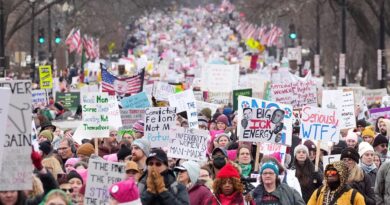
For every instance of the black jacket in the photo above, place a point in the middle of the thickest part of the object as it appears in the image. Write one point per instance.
(365, 188)
(177, 193)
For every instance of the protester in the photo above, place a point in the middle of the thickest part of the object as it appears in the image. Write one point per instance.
(222, 139)
(132, 171)
(76, 182)
(351, 139)
(218, 160)
(377, 160)
(382, 185)
(205, 177)
(138, 129)
(123, 151)
(109, 145)
(380, 146)
(12, 198)
(384, 127)
(368, 135)
(85, 151)
(366, 153)
(45, 135)
(66, 150)
(124, 192)
(335, 189)
(56, 197)
(222, 122)
(244, 160)
(357, 179)
(140, 152)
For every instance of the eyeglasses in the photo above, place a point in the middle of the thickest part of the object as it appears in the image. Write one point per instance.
(267, 173)
(331, 173)
(158, 164)
(68, 190)
(113, 135)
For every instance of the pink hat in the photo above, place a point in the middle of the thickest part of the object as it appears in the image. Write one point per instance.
(232, 154)
(72, 161)
(83, 173)
(277, 156)
(139, 126)
(111, 157)
(214, 133)
(224, 119)
(125, 191)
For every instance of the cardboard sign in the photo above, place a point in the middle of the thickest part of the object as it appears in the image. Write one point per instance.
(45, 77)
(131, 116)
(101, 175)
(16, 166)
(95, 114)
(188, 144)
(162, 90)
(330, 159)
(70, 100)
(243, 92)
(264, 121)
(39, 98)
(343, 101)
(220, 78)
(374, 95)
(320, 124)
(158, 122)
(222, 98)
(185, 101)
(375, 113)
(139, 100)
(114, 114)
(5, 94)
(270, 148)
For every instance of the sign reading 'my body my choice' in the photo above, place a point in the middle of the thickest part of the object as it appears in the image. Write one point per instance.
(95, 108)
(158, 122)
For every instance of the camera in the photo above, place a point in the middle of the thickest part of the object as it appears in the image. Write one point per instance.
(246, 181)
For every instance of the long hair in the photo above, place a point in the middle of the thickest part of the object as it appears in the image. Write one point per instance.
(304, 172)
(218, 183)
(21, 199)
(355, 174)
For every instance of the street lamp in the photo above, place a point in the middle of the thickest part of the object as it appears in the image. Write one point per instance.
(32, 40)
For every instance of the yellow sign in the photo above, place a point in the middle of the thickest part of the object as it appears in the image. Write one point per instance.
(45, 77)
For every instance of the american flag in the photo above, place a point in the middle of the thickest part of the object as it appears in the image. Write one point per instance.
(73, 41)
(121, 86)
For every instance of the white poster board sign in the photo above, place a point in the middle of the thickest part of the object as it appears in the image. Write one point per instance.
(5, 94)
(158, 122)
(114, 114)
(39, 98)
(330, 159)
(343, 101)
(185, 101)
(219, 77)
(95, 114)
(131, 116)
(162, 90)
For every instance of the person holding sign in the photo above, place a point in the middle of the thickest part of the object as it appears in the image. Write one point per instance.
(158, 185)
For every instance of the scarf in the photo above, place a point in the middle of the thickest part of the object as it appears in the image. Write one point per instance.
(246, 169)
(366, 168)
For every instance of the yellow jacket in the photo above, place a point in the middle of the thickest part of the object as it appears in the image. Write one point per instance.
(344, 199)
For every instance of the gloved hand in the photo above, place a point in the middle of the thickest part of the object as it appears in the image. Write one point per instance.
(36, 160)
(159, 182)
(150, 182)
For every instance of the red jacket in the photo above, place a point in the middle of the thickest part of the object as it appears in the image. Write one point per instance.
(199, 194)
(234, 199)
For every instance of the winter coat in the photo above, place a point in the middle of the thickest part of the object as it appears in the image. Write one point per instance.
(307, 190)
(235, 199)
(382, 185)
(365, 188)
(372, 176)
(49, 183)
(290, 179)
(198, 194)
(343, 199)
(176, 194)
(283, 192)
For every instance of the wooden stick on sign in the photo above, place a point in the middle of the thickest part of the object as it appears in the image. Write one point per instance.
(97, 146)
(257, 156)
(318, 155)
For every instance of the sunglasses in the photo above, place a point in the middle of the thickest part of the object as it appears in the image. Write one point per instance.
(68, 190)
(331, 173)
(158, 164)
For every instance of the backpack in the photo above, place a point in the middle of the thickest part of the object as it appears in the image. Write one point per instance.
(352, 199)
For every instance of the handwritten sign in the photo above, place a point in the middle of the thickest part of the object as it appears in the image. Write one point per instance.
(320, 124)
(270, 148)
(101, 175)
(330, 159)
(131, 116)
(5, 94)
(16, 166)
(264, 121)
(219, 77)
(188, 144)
(70, 100)
(45, 77)
(95, 114)
(162, 90)
(158, 122)
(39, 98)
(185, 101)
(243, 92)
(222, 98)
(343, 101)
(139, 100)
(374, 95)
(114, 114)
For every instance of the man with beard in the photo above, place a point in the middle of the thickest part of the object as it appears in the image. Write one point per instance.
(139, 152)
(335, 189)
(384, 125)
(380, 145)
(109, 145)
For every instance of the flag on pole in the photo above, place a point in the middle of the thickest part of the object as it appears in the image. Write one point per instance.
(73, 40)
(121, 86)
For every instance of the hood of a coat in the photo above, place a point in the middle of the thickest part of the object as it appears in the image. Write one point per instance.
(342, 170)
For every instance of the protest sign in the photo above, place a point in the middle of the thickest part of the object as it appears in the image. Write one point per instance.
(343, 101)
(295, 91)
(101, 175)
(330, 159)
(131, 116)
(16, 166)
(39, 98)
(45, 77)
(185, 101)
(256, 81)
(158, 122)
(375, 113)
(320, 124)
(188, 144)
(114, 115)
(243, 92)
(270, 148)
(200, 105)
(162, 90)
(374, 95)
(89, 88)
(5, 94)
(95, 114)
(139, 100)
(70, 100)
(264, 121)
(222, 98)
(219, 77)
(385, 101)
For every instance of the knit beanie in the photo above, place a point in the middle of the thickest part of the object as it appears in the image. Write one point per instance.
(301, 147)
(125, 192)
(365, 147)
(351, 136)
(206, 112)
(350, 153)
(368, 131)
(380, 139)
(270, 165)
(143, 144)
(72, 161)
(111, 157)
(228, 171)
(47, 134)
(139, 126)
(86, 149)
(45, 147)
(310, 145)
(192, 168)
(73, 174)
(224, 119)
(123, 152)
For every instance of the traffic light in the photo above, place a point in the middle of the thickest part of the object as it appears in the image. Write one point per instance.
(293, 34)
(41, 35)
(58, 36)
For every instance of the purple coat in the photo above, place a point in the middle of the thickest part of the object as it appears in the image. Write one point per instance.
(198, 193)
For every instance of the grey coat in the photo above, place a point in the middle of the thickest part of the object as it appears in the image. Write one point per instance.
(283, 192)
(382, 185)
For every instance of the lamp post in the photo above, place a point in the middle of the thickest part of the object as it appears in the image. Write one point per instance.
(32, 39)
(342, 67)
(382, 74)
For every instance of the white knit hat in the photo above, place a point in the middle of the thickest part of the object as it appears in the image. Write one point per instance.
(301, 147)
(364, 147)
(351, 136)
